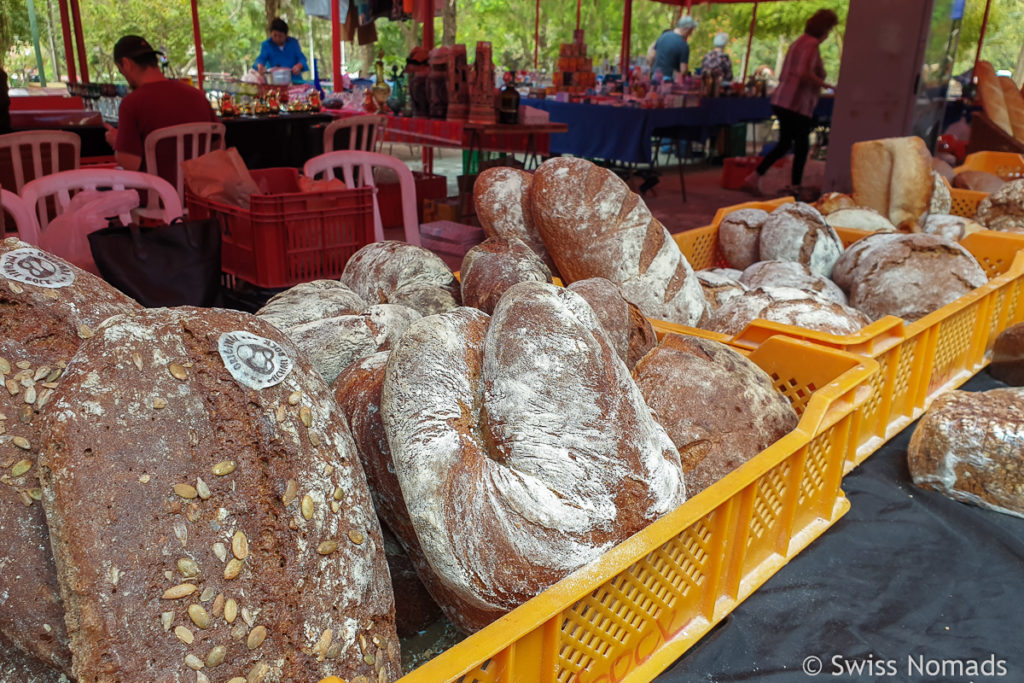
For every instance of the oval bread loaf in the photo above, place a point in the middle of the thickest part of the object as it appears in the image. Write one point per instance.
(501, 196)
(797, 232)
(630, 333)
(398, 273)
(494, 265)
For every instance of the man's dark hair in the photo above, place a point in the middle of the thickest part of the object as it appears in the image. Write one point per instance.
(278, 25)
(149, 61)
(820, 23)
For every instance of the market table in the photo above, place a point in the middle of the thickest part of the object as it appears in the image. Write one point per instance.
(906, 579)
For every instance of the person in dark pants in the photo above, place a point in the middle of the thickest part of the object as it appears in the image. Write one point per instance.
(800, 83)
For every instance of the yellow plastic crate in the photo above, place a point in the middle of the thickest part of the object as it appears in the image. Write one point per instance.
(631, 613)
(1006, 165)
(917, 361)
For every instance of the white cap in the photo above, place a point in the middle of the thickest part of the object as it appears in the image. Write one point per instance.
(721, 39)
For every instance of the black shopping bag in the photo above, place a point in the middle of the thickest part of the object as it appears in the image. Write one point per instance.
(166, 265)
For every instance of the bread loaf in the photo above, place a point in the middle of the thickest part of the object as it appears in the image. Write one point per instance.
(399, 273)
(1013, 100)
(719, 288)
(797, 232)
(789, 306)
(950, 226)
(718, 407)
(493, 266)
(523, 447)
(791, 274)
(49, 307)
(188, 477)
(738, 236)
(1008, 356)
(415, 610)
(894, 177)
(978, 181)
(968, 446)
(501, 196)
(914, 275)
(311, 301)
(1003, 210)
(830, 202)
(855, 256)
(629, 332)
(943, 169)
(861, 218)
(991, 95)
(595, 227)
(942, 199)
(18, 667)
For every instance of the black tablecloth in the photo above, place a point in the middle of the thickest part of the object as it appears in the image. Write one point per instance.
(276, 141)
(906, 579)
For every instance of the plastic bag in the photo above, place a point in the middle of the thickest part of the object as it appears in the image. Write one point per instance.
(321, 185)
(221, 176)
(67, 234)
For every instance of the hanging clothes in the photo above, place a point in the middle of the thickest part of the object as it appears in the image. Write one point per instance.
(322, 8)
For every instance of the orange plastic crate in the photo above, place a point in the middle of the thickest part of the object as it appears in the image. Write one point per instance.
(917, 361)
(1006, 165)
(628, 615)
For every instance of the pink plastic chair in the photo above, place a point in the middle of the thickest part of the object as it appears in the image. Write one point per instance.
(61, 186)
(190, 140)
(24, 222)
(64, 154)
(351, 161)
(364, 132)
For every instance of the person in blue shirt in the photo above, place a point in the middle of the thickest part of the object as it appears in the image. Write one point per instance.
(279, 50)
(672, 52)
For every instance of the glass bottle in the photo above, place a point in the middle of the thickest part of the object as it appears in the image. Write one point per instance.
(508, 101)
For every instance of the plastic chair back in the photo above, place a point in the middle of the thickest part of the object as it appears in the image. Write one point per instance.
(24, 222)
(189, 140)
(60, 187)
(357, 171)
(364, 133)
(47, 151)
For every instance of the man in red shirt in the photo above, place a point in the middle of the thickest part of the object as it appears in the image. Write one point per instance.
(155, 102)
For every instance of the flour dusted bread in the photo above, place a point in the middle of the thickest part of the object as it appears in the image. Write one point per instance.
(791, 274)
(494, 265)
(718, 407)
(950, 226)
(191, 464)
(942, 199)
(398, 273)
(501, 196)
(523, 447)
(1004, 209)
(739, 234)
(311, 301)
(798, 232)
(595, 227)
(970, 447)
(629, 332)
(894, 177)
(858, 255)
(913, 275)
(49, 307)
(1008, 356)
(789, 306)
(719, 287)
(860, 218)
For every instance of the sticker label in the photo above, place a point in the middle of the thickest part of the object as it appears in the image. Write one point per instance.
(256, 362)
(35, 267)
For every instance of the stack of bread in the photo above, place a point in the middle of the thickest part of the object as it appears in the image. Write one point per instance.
(1001, 100)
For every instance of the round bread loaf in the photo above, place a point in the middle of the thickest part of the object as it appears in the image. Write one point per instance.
(1008, 356)
(399, 273)
(719, 287)
(830, 202)
(949, 226)
(914, 275)
(501, 196)
(595, 227)
(731, 273)
(791, 274)
(208, 452)
(797, 232)
(358, 392)
(738, 236)
(860, 218)
(847, 268)
(522, 445)
(1004, 209)
(718, 407)
(968, 447)
(789, 306)
(942, 199)
(494, 265)
(310, 301)
(629, 332)
(49, 308)
(978, 181)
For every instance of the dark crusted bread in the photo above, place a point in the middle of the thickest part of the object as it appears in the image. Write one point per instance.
(501, 196)
(1008, 356)
(719, 408)
(978, 181)
(798, 232)
(41, 328)
(399, 273)
(630, 333)
(18, 667)
(738, 236)
(847, 268)
(207, 510)
(970, 447)
(1003, 209)
(494, 265)
(791, 274)
(310, 301)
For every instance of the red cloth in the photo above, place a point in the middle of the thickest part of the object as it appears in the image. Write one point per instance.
(158, 105)
(794, 93)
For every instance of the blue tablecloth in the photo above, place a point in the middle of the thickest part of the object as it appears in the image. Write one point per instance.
(624, 133)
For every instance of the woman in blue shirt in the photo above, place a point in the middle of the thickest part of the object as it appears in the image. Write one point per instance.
(281, 51)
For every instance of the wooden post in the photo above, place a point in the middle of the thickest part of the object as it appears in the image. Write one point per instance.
(336, 46)
(627, 27)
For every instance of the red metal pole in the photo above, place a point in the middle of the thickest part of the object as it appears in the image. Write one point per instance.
(578, 2)
(627, 21)
(69, 48)
(536, 37)
(83, 63)
(428, 25)
(198, 37)
(750, 42)
(981, 39)
(336, 46)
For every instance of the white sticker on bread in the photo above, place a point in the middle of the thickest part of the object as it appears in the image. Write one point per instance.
(35, 267)
(254, 361)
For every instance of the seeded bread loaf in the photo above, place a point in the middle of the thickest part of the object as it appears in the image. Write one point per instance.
(787, 305)
(522, 446)
(49, 307)
(719, 288)
(791, 274)
(630, 333)
(207, 510)
(718, 407)
(968, 446)
(595, 226)
(738, 236)
(797, 232)
(494, 265)
(399, 273)
(1008, 356)
(501, 196)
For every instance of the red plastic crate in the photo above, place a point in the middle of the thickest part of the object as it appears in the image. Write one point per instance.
(289, 237)
(736, 169)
